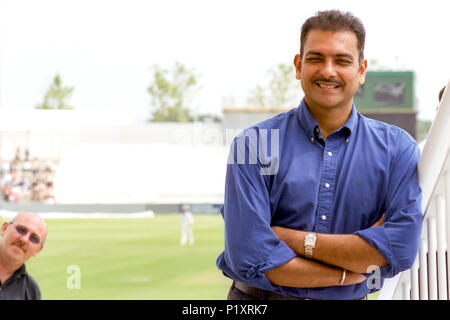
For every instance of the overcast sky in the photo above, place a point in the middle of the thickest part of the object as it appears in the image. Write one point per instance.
(104, 48)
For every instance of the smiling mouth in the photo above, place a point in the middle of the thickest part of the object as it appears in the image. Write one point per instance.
(327, 85)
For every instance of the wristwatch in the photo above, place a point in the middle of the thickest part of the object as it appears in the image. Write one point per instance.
(310, 244)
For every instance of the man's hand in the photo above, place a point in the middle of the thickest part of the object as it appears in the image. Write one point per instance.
(379, 222)
(347, 251)
(305, 273)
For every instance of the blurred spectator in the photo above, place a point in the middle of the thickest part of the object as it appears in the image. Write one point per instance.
(48, 197)
(23, 179)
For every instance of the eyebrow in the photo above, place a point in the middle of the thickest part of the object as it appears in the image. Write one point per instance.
(340, 55)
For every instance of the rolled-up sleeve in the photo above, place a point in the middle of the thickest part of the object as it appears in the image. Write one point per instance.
(397, 240)
(251, 246)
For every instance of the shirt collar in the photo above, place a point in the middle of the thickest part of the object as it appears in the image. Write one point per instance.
(309, 124)
(20, 272)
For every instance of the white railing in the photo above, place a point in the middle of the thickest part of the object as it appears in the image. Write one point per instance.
(428, 279)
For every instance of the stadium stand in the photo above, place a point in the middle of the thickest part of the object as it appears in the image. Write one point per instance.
(141, 173)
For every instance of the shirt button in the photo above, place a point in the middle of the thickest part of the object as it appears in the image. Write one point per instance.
(347, 140)
(324, 217)
(330, 153)
(327, 185)
(312, 139)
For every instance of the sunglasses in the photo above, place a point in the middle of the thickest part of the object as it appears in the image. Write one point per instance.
(23, 231)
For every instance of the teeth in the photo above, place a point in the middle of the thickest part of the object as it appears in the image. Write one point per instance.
(327, 86)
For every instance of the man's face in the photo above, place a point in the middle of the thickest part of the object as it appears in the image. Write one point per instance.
(18, 247)
(329, 69)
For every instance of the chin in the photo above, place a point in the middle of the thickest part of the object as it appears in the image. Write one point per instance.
(327, 104)
(330, 102)
(16, 251)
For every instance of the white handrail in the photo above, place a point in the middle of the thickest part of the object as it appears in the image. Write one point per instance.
(435, 150)
(427, 279)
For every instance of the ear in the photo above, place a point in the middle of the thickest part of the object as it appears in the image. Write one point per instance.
(297, 65)
(362, 72)
(40, 249)
(3, 229)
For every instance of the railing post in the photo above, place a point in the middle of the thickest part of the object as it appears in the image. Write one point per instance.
(423, 264)
(415, 280)
(441, 247)
(406, 286)
(447, 215)
(432, 277)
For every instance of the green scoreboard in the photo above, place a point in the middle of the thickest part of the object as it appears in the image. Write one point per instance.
(389, 96)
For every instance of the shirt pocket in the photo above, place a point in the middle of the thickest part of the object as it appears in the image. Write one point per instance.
(360, 200)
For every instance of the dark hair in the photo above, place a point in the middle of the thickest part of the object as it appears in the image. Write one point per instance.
(441, 93)
(335, 20)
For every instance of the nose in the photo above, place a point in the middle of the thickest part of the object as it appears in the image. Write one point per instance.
(328, 69)
(25, 238)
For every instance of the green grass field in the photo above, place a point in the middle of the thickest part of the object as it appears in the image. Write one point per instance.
(136, 258)
(131, 258)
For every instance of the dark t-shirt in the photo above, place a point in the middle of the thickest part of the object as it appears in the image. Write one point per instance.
(20, 286)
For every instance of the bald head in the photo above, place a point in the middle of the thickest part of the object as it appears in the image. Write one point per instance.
(34, 219)
(22, 238)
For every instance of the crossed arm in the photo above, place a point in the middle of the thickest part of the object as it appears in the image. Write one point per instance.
(332, 253)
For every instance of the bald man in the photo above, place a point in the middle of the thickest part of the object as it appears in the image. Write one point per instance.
(21, 238)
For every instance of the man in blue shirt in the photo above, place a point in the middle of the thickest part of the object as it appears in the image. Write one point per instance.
(318, 198)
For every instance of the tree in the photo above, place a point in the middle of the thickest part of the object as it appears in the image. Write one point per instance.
(208, 117)
(281, 90)
(171, 95)
(57, 95)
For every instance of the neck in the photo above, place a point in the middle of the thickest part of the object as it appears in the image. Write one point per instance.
(330, 119)
(7, 269)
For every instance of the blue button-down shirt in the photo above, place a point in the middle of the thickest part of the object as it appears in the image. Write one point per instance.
(293, 178)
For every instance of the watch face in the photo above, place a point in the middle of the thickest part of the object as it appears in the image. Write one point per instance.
(310, 240)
